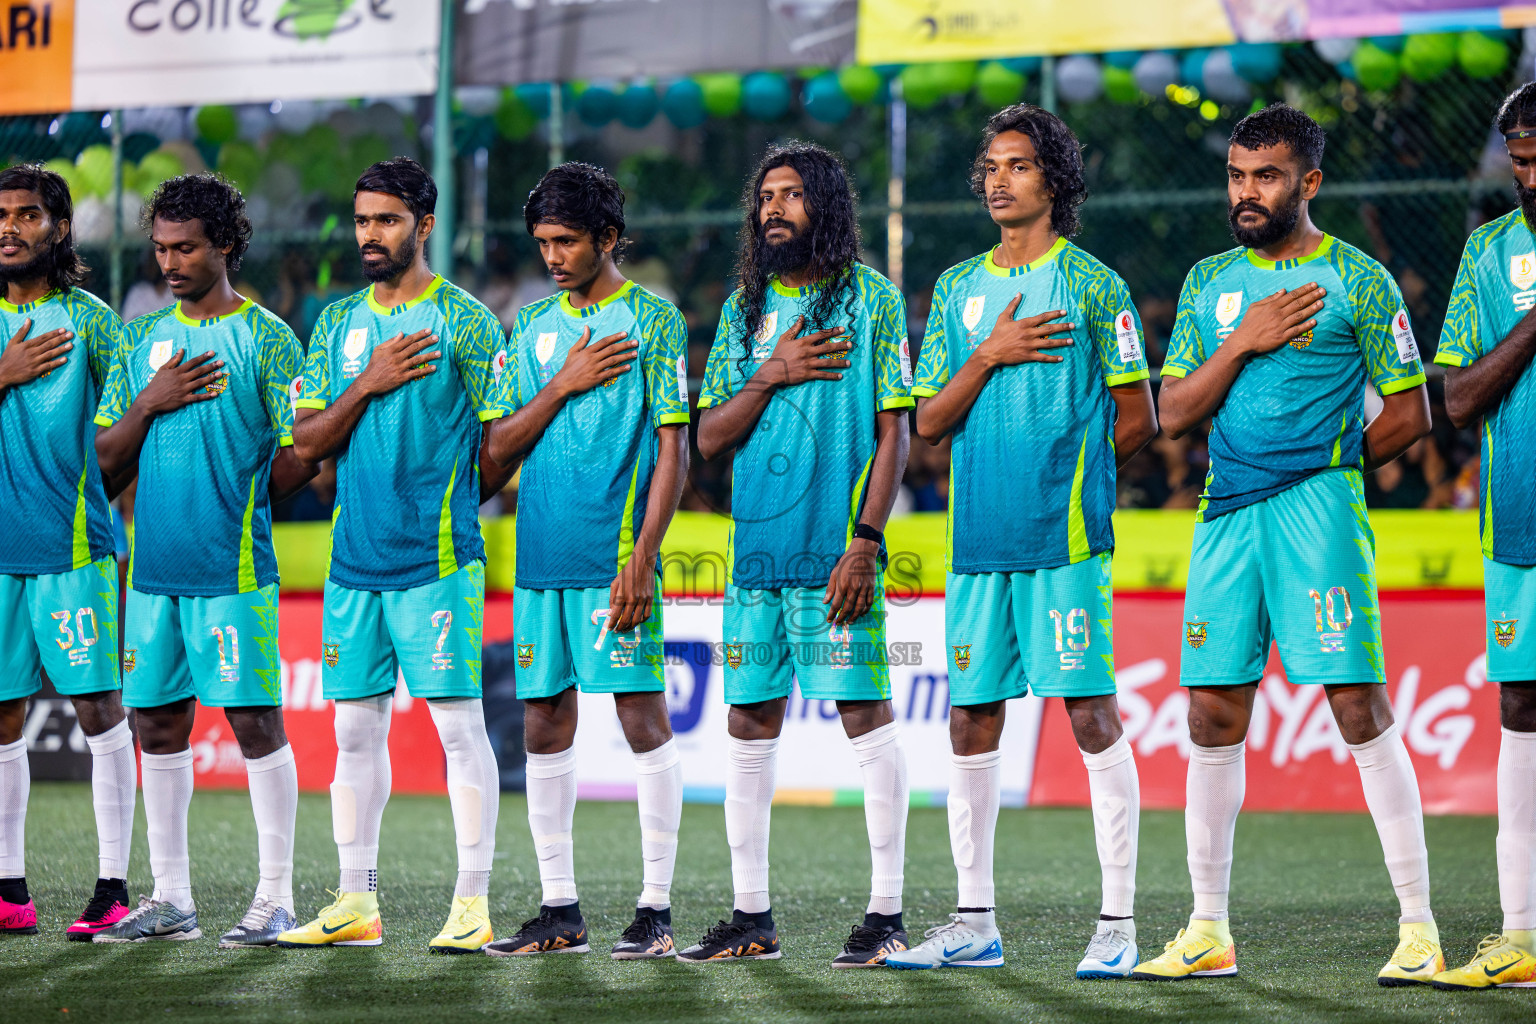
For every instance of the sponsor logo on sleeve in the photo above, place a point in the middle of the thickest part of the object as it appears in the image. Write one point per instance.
(498, 363)
(1402, 334)
(295, 391)
(682, 379)
(906, 362)
(1125, 337)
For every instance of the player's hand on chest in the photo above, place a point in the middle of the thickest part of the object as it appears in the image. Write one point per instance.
(179, 372)
(591, 365)
(388, 355)
(1011, 338)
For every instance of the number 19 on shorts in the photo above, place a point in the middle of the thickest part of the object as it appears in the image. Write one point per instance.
(1071, 637)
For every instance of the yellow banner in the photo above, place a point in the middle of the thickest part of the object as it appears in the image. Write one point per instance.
(911, 31)
(37, 48)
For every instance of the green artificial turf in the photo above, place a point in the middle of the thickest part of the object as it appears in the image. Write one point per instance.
(1313, 914)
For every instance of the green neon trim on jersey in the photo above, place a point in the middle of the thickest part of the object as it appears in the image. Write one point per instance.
(1338, 442)
(1392, 387)
(592, 309)
(924, 391)
(373, 304)
(1205, 500)
(999, 271)
(627, 526)
(209, 321)
(786, 290)
(949, 522)
(1318, 253)
(1077, 525)
(248, 544)
(1487, 528)
(1131, 377)
(898, 402)
(80, 556)
(310, 403)
(27, 307)
(447, 562)
(858, 498)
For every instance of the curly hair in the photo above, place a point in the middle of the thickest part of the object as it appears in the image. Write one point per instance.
(580, 196)
(830, 203)
(403, 178)
(1058, 152)
(1518, 110)
(65, 268)
(209, 198)
(1278, 124)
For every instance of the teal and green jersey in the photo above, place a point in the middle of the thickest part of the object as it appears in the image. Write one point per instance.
(1300, 409)
(799, 479)
(53, 508)
(203, 521)
(408, 480)
(584, 486)
(1032, 465)
(1495, 288)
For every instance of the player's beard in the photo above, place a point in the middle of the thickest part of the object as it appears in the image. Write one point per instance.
(394, 264)
(41, 264)
(1527, 199)
(786, 257)
(1279, 222)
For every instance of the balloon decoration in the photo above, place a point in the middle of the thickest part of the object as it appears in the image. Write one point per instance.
(765, 95)
(1155, 71)
(999, 85)
(722, 94)
(1024, 65)
(1122, 59)
(920, 88)
(860, 84)
(1427, 57)
(1334, 51)
(683, 104)
(217, 124)
(1120, 84)
(597, 104)
(825, 100)
(1079, 79)
(1192, 67)
(1481, 56)
(955, 77)
(1220, 80)
(1256, 62)
(638, 105)
(514, 118)
(534, 96)
(1376, 68)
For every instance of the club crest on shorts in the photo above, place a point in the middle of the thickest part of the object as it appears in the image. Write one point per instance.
(733, 655)
(130, 659)
(973, 310)
(962, 656)
(1504, 631)
(160, 354)
(524, 655)
(331, 653)
(1194, 634)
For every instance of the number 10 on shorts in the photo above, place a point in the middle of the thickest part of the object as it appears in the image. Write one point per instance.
(1332, 605)
(1071, 637)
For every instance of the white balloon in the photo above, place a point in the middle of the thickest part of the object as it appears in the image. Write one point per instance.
(478, 100)
(254, 120)
(1220, 81)
(1155, 72)
(1079, 79)
(297, 115)
(1335, 51)
(165, 123)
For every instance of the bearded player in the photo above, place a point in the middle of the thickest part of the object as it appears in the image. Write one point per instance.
(397, 383)
(198, 408)
(1486, 349)
(1033, 361)
(58, 572)
(807, 383)
(1274, 341)
(604, 455)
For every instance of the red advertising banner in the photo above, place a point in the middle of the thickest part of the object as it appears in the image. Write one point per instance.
(416, 755)
(1436, 675)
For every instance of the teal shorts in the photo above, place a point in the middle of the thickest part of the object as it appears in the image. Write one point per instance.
(1298, 569)
(63, 623)
(563, 641)
(1046, 632)
(775, 637)
(1509, 592)
(221, 650)
(429, 634)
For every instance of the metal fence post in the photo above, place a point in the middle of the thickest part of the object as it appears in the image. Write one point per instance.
(443, 170)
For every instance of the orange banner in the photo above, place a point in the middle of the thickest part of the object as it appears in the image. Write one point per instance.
(37, 48)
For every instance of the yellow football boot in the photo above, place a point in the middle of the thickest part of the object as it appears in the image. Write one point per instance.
(353, 920)
(1500, 963)
(468, 927)
(1417, 958)
(1203, 950)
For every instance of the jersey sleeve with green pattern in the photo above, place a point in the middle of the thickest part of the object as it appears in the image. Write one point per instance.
(933, 355)
(1114, 325)
(1381, 323)
(509, 389)
(1187, 347)
(477, 339)
(665, 360)
(722, 377)
(893, 359)
(315, 384)
(282, 360)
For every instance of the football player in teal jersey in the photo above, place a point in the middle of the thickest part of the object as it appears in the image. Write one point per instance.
(808, 385)
(1275, 341)
(604, 453)
(1486, 349)
(198, 408)
(58, 572)
(1033, 360)
(397, 383)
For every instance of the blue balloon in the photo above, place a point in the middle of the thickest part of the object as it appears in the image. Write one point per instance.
(825, 100)
(889, 71)
(1192, 67)
(1023, 65)
(765, 95)
(535, 96)
(597, 105)
(1392, 44)
(638, 105)
(683, 103)
(1256, 62)
(1124, 59)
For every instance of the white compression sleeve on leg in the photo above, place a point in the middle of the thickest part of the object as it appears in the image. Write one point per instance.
(474, 789)
(975, 794)
(1392, 795)
(114, 788)
(15, 786)
(551, 781)
(167, 799)
(1213, 795)
(659, 795)
(1115, 793)
(274, 782)
(360, 789)
(749, 782)
(1517, 829)
(886, 799)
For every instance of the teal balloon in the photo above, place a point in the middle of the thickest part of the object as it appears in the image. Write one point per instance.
(638, 106)
(860, 84)
(1125, 59)
(1346, 69)
(1256, 62)
(920, 88)
(765, 95)
(1192, 67)
(824, 99)
(1023, 65)
(722, 94)
(683, 104)
(997, 85)
(888, 71)
(535, 96)
(597, 105)
(1390, 44)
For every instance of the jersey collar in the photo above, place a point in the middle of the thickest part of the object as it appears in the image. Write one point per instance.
(373, 304)
(183, 318)
(594, 308)
(1050, 254)
(1318, 253)
(786, 290)
(27, 307)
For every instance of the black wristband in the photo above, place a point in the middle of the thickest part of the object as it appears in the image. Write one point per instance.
(863, 531)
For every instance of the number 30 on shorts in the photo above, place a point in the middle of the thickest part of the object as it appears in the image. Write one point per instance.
(1334, 606)
(1071, 637)
(84, 631)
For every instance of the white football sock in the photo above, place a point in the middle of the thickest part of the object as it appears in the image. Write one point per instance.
(360, 789)
(15, 786)
(1517, 829)
(1115, 793)
(1392, 796)
(274, 783)
(749, 782)
(1213, 795)
(114, 788)
(551, 782)
(474, 789)
(167, 798)
(659, 794)
(975, 793)
(886, 799)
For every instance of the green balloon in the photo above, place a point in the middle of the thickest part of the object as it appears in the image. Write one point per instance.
(240, 163)
(93, 171)
(1427, 57)
(860, 84)
(955, 76)
(513, 118)
(1120, 84)
(1481, 56)
(64, 169)
(919, 86)
(217, 124)
(1376, 67)
(722, 94)
(999, 85)
(155, 168)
